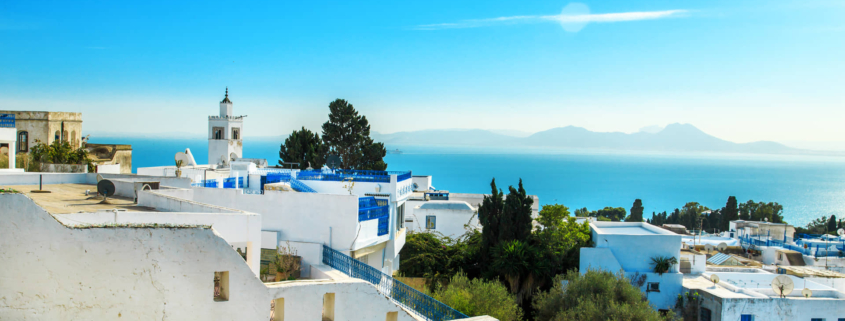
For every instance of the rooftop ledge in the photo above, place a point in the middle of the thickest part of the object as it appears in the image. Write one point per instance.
(628, 228)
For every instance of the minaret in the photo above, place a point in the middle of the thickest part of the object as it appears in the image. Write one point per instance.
(225, 140)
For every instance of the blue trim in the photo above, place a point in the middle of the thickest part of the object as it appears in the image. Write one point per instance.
(7, 120)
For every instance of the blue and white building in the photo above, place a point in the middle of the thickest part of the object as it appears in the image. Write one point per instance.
(629, 247)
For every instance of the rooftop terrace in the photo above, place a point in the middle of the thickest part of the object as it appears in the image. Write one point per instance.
(71, 198)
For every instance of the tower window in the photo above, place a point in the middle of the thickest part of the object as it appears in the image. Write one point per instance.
(236, 133)
(217, 133)
(23, 141)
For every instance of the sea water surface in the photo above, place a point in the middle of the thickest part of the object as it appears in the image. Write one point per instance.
(807, 186)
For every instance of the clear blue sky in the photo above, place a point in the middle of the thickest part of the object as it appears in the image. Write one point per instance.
(740, 70)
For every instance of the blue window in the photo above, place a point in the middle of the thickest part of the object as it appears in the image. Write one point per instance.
(746, 317)
(431, 222)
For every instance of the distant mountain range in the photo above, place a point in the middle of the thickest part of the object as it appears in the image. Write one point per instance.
(674, 137)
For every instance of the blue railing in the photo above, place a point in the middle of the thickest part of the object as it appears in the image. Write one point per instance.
(353, 175)
(275, 177)
(206, 183)
(301, 187)
(7, 120)
(400, 293)
(401, 176)
(383, 223)
(370, 208)
(229, 182)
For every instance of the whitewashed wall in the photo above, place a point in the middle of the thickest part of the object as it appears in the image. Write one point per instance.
(52, 272)
(354, 300)
(233, 227)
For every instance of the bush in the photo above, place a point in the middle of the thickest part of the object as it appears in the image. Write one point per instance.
(595, 295)
(478, 297)
(59, 152)
(437, 257)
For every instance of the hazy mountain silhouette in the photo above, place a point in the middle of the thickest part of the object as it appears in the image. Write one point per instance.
(674, 137)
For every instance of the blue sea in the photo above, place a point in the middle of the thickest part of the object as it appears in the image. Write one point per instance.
(807, 186)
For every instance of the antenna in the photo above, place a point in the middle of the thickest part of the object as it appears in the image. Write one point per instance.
(715, 279)
(782, 285)
(708, 247)
(106, 188)
(841, 232)
(333, 161)
(807, 293)
(722, 246)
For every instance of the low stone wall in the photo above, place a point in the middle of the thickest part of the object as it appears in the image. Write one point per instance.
(64, 168)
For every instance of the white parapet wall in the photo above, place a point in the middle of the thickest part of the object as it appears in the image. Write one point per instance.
(53, 272)
(351, 299)
(238, 229)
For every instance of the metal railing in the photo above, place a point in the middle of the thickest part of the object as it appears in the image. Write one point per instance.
(7, 120)
(301, 187)
(275, 177)
(229, 182)
(400, 293)
(401, 176)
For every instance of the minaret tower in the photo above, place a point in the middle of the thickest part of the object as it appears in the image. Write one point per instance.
(225, 140)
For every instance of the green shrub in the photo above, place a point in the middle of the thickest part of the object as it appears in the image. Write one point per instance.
(478, 297)
(595, 295)
(59, 152)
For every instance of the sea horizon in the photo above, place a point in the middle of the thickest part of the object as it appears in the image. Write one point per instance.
(807, 186)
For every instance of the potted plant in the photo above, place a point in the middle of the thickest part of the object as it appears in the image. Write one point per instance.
(663, 264)
(179, 168)
(287, 263)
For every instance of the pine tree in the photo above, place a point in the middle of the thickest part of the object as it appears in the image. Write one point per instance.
(303, 147)
(729, 213)
(347, 135)
(636, 212)
(831, 224)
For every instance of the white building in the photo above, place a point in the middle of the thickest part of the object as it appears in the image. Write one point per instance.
(8, 139)
(449, 218)
(630, 247)
(172, 257)
(225, 132)
(749, 295)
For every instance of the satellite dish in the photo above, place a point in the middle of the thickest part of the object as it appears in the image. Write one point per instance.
(807, 292)
(333, 161)
(99, 178)
(841, 232)
(715, 279)
(180, 156)
(782, 285)
(106, 188)
(708, 247)
(722, 246)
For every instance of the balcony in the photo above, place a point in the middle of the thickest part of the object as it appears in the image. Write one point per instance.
(370, 208)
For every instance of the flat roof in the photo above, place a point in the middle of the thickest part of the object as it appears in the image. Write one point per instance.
(628, 228)
(70, 198)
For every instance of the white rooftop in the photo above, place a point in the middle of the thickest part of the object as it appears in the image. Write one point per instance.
(628, 228)
(446, 205)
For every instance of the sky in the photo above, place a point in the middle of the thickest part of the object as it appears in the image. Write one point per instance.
(739, 70)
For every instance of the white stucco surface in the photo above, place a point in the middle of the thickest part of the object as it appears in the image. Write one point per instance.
(52, 272)
(630, 247)
(235, 228)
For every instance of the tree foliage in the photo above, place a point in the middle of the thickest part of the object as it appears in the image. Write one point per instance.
(438, 257)
(615, 214)
(304, 147)
(347, 135)
(694, 216)
(60, 152)
(594, 295)
(636, 212)
(479, 297)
